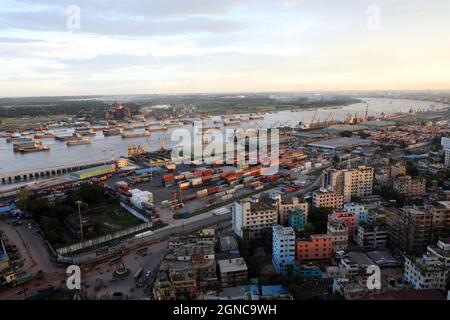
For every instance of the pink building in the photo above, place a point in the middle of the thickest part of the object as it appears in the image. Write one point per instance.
(348, 218)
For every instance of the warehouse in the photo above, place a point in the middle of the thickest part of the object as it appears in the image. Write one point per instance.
(339, 143)
(93, 172)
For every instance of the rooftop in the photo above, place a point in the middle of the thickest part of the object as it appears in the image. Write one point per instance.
(339, 143)
(232, 265)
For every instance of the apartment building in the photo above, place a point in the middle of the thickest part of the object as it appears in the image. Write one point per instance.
(297, 219)
(347, 183)
(425, 273)
(371, 235)
(413, 228)
(327, 199)
(346, 217)
(253, 216)
(283, 248)
(442, 251)
(318, 248)
(409, 187)
(233, 272)
(445, 142)
(339, 233)
(360, 211)
(286, 206)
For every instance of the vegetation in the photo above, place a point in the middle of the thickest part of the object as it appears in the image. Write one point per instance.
(105, 215)
(318, 219)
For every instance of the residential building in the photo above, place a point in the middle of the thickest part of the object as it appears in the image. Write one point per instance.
(327, 199)
(409, 187)
(297, 219)
(318, 248)
(307, 271)
(360, 211)
(347, 217)
(339, 233)
(283, 248)
(413, 228)
(425, 273)
(445, 142)
(233, 272)
(253, 216)
(442, 251)
(285, 207)
(371, 235)
(350, 183)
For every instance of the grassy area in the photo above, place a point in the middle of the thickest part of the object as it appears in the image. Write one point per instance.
(110, 218)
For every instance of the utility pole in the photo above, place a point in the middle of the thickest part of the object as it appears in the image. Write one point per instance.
(81, 223)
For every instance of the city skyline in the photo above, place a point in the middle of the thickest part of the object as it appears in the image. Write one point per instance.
(222, 46)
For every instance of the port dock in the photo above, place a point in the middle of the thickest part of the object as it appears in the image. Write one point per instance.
(34, 174)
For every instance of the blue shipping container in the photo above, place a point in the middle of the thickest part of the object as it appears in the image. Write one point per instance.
(148, 170)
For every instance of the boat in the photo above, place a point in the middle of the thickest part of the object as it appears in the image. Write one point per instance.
(78, 143)
(113, 132)
(156, 129)
(136, 135)
(173, 124)
(231, 123)
(85, 131)
(33, 146)
(73, 137)
(44, 136)
(255, 116)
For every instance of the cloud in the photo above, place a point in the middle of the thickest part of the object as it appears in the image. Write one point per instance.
(56, 20)
(18, 40)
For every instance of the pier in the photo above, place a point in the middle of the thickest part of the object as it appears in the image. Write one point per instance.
(35, 174)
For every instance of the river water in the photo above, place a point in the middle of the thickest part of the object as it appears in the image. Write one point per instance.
(106, 148)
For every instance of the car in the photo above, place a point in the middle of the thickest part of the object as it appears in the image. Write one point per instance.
(148, 274)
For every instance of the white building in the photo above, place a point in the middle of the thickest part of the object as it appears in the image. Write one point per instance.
(285, 207)
(426, 272)
(339, 232)
(445, 143)
(283, 248)
(253, 216)
(347, 183)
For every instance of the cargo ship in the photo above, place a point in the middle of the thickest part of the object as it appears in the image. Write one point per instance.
(156, 129)
(44, 136)
(85, 131)
(73, 137)
(33, 146)
(78, 143)
(113, 132)
(136, 135)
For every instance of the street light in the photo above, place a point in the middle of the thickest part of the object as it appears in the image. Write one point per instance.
(81, 223)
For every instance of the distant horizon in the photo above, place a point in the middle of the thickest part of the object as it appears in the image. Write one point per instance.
(348, 92)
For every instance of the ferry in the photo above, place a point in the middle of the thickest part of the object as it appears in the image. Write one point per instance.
(34, 146)
(73, 137)
(85, 131)
(44, 136)
(78, 143)
(136, 135)
(113, 132)
(156, 129)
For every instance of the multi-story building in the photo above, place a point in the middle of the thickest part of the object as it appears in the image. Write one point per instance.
(283, 248)
(371, 235)
(285, 207)
(425, 273)
(409, 187)
(297, 219)
(347, 217)
(360, 211)
(253, 216)
(442, 251)
(318, 248)
(412, 228)
(327, 199)
(445, 142)
(339, 232)
(347, 183)
(233, 272)
(307, 271)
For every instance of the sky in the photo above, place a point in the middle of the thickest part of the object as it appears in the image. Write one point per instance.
(100, 47)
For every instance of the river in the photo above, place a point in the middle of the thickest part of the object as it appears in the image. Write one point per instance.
(106, 148)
